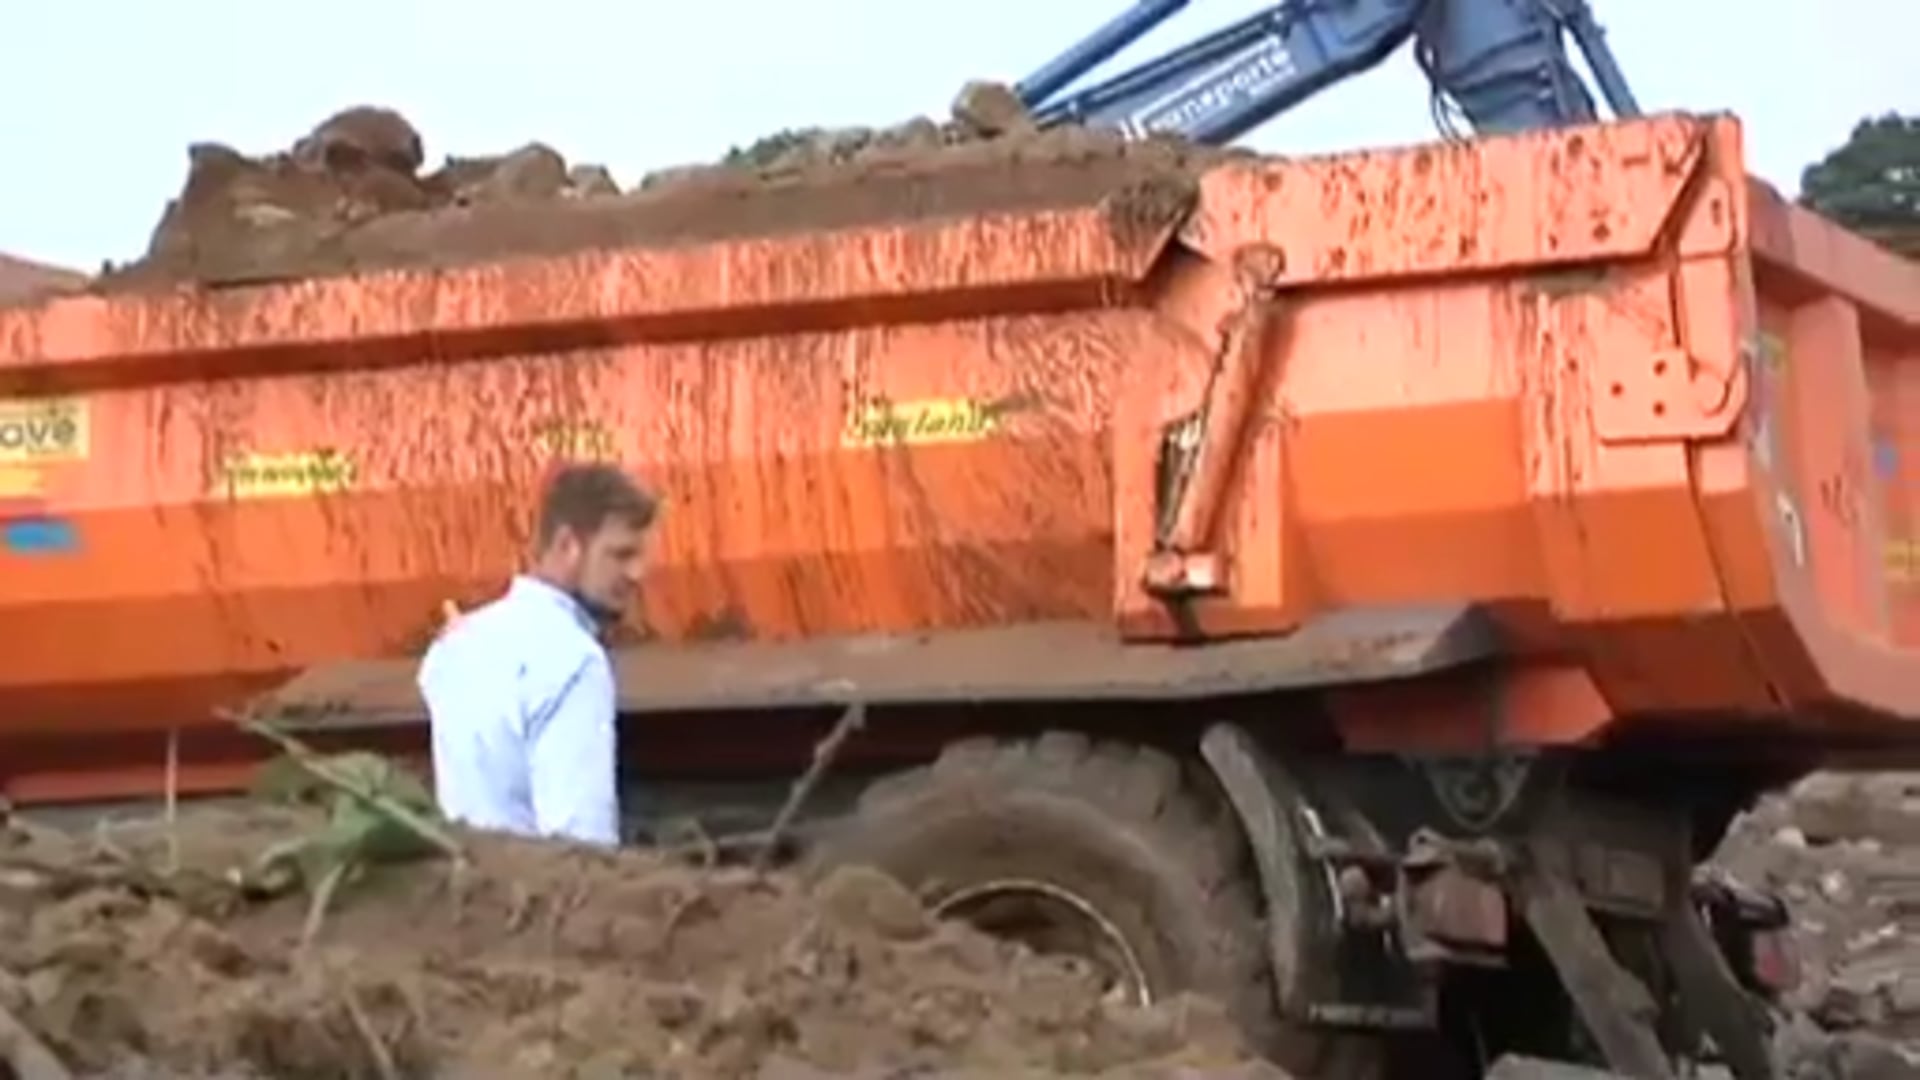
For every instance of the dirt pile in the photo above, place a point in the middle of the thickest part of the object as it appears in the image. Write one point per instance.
(132, 950)
(358, 165)
(350, 196)
(982, 112)
(23, 279)
(1844, 850)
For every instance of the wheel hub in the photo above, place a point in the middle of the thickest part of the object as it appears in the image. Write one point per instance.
(1055, 921)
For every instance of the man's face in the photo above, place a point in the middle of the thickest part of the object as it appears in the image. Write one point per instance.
(605, 566)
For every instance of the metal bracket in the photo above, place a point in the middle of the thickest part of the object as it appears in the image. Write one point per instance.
(1697, 387)
(1451, 905)
(1199, 452)
(1666, 396)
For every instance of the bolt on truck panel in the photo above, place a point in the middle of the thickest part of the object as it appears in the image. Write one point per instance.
(1628, 407)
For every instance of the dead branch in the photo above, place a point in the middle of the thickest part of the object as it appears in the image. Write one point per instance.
(376, 1047)
(173, 800)
(824, 753)
(317, 906)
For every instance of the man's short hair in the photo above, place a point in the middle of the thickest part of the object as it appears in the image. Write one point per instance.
(583, 497)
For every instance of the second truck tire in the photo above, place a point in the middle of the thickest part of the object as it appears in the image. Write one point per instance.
(1118, 839)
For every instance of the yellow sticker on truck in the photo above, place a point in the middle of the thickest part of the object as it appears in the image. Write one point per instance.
(928, 420)
(44, 430)
(1903, 562)
(576, 440)
(301, 474)
(19, 483)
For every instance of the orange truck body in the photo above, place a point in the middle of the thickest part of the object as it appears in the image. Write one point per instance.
(1651, 420)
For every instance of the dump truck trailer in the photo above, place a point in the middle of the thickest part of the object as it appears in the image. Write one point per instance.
(1360, 588)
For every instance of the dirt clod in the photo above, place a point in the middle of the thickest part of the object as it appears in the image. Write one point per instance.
(543, 960)
(990, 108)
(362, 137)
(535, 172)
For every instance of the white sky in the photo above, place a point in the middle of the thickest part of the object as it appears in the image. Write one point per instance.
(99, 98)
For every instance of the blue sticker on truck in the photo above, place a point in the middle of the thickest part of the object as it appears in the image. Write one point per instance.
(39, 536)
(1886, 458)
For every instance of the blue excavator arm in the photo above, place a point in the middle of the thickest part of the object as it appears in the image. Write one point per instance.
(1502, 63)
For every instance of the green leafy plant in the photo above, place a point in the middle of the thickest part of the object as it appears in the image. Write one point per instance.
(376, 811)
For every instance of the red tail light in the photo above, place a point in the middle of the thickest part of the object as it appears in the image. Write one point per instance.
(1774, 959)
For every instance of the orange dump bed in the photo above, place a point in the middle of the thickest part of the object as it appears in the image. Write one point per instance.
(1659, 425)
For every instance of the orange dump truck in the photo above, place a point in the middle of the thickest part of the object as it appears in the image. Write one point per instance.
(1358, 587)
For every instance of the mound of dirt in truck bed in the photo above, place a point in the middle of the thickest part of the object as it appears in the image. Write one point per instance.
(126, 950)
(350, 195)
(1844, 850)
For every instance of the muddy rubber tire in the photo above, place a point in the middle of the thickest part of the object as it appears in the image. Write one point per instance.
(1154, 850)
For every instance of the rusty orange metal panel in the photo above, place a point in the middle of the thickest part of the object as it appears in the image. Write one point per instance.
(991, 263)
(1558, 376)
(1537, 372)
(1894, 389)
(255, 481)
(1837, 367)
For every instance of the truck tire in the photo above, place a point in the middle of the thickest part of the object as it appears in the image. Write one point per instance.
(1115, 838)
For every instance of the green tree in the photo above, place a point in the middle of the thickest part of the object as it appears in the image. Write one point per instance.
(1871, 184)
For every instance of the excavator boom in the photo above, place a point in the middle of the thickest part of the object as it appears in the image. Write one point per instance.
(1504, 65)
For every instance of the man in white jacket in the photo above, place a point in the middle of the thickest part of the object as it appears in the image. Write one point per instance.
(521, 692)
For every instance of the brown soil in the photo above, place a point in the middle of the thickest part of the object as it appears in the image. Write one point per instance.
(537, 960)
(555, 961)
(347, 196)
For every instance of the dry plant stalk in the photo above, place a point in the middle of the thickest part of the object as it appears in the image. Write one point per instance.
(824, 753)
(173, 800)
(376, 1046)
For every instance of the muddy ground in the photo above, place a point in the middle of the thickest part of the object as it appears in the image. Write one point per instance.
(536, 960)
(128, 947)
